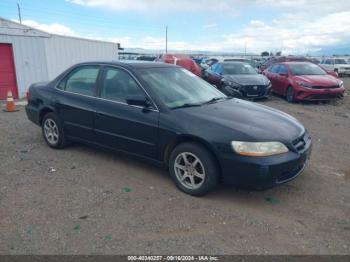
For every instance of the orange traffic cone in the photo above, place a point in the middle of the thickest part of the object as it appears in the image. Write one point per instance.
(10, 103)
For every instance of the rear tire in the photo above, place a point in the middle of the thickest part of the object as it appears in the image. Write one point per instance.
(290, 94)
(53, 132)
(193, 169)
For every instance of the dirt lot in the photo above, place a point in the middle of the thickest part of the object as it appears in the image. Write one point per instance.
(83, 200)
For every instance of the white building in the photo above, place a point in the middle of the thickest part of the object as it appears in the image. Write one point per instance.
(28, 55)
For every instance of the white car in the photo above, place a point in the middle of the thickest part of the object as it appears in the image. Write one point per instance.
(339, 65)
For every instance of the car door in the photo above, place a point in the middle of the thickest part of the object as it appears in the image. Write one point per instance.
(119, 125)
(272, 75)
(281, 80)
(328, 64)
(216, 74)
(210, 74)
(75, 101)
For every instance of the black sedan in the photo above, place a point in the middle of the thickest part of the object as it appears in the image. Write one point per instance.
(167, 115)
(238, 79)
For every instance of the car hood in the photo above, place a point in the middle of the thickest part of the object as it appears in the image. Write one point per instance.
(248, 79)
(342, 65)
(246, 121)
(318, 80)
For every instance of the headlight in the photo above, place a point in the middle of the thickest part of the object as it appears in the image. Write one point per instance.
(258, 148)
(230, 83)
(302, 84)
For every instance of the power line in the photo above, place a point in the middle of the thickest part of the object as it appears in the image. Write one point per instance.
(166, 39)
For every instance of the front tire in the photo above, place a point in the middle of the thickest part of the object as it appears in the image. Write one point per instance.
(290, 94)
(53, 132)
(193, 169)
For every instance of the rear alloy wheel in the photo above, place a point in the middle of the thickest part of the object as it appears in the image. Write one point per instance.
(193, 169)
(290, 94)
(52, 131)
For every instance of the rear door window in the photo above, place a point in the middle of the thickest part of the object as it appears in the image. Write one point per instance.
(81, 81)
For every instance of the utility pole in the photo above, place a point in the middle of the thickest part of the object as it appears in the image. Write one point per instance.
(19, 13)
(245, 48)
(166, 39)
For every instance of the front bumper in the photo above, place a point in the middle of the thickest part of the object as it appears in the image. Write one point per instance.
(263, 172)
(319, 94)
(254, 91)
(344, 71)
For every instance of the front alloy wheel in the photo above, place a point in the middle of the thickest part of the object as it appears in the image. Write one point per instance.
(189, 170)
(193, 169)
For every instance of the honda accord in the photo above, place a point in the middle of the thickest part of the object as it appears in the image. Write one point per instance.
(171, 117)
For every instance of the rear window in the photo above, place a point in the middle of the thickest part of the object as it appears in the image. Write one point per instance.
(340, 61)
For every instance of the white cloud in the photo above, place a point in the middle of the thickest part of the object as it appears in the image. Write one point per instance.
(257, 23)
(162, 5)
(210, 26)
(54, 28)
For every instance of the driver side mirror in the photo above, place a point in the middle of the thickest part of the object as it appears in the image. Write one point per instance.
(138, 100)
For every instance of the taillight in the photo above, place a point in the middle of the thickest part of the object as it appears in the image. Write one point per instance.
(27, 95)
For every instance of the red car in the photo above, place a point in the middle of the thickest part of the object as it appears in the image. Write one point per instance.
(303, 81)
(279, 59)
(181, 60)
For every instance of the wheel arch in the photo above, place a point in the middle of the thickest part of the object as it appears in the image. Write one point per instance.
(43, 111)
(186, 139)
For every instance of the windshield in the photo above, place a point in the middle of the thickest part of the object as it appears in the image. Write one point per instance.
(177, 87)
(306, 69)
(238, 69)
(340, 61)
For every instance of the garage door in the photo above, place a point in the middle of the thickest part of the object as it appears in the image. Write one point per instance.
(7, 71)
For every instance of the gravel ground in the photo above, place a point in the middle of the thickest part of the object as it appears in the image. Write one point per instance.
(83, 200)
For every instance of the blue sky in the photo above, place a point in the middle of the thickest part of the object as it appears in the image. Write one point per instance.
(297, 26)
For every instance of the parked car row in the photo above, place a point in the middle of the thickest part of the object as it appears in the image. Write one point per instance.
(296, 78)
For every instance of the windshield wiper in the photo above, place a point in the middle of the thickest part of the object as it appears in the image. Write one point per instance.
(186, 105)
(215, 99)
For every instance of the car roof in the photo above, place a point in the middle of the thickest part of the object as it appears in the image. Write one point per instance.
(130, 64)
(295, 62)
(233, 62)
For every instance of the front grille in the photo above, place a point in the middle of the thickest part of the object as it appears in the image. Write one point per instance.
(323, 96)
(324, 87)
(250, 90)
(300, 143)
(288, 175)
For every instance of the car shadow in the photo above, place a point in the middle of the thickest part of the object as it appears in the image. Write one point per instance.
(280, 98)
(143, 169)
